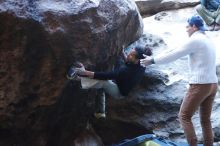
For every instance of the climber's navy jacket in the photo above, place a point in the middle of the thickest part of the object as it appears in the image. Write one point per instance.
(126, 77)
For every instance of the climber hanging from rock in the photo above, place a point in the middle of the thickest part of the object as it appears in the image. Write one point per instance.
(117, 83)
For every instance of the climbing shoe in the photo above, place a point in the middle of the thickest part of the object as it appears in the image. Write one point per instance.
(100, 115)
(71, 74)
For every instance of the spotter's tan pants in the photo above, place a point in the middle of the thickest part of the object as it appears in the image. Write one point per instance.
(198, 96)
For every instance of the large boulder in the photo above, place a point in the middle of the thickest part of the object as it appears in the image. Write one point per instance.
(39, 40)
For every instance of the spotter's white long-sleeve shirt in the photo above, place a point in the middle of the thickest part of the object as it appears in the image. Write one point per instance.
(202, 58)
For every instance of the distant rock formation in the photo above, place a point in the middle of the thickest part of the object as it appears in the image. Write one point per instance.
(149, 7)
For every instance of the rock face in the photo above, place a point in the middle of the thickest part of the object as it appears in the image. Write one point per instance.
(149, 7)
(39, 40)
